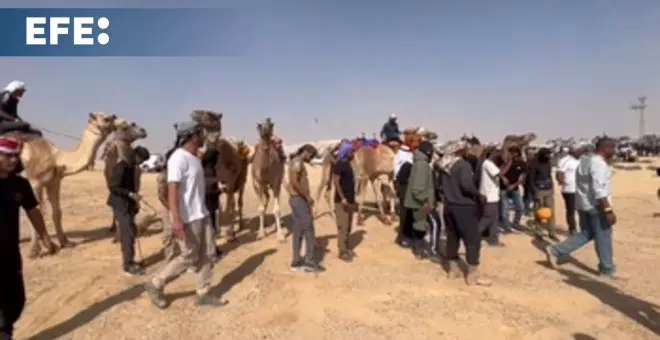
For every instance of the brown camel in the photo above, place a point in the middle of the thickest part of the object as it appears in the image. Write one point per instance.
(232, 169)
(119, 146)
(267, 174)
(383, 176)
(373, 165)
(232, 166)
(46, 166)
(520, 141)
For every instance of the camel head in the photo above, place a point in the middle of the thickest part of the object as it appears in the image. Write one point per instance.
(528, 138)
(209, 120)
(428, 135)
(101, 123)
(265, 129)
(129, 132)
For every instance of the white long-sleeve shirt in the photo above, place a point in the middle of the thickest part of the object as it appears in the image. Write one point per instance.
(403, 156)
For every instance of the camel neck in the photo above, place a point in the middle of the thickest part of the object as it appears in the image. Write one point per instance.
(75, 161)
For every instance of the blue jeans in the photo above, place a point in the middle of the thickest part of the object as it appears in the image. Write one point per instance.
(593, 226)
(514, 196)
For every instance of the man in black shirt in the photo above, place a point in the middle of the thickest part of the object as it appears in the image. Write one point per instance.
(510, 184)
(209, 162)
(123, 199)
(344, 182)
(15, 192)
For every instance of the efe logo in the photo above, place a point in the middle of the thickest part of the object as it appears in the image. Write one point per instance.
(35, 30)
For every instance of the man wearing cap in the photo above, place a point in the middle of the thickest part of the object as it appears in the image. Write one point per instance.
(566, 170)
(191, 224)
(15, 192)
(390, 130)
(9, 119)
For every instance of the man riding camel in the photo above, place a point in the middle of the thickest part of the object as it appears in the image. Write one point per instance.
(390, 131)
(9, 119)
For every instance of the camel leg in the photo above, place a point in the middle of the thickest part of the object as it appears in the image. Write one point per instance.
(262, 193)
(35, 247)
(328, 199)
(229, 213)
(278, 217)
(241, 223)
(360, 195)
(376, 184)
(53, 193)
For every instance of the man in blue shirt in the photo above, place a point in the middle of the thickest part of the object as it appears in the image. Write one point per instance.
(593, 196)
(390, 130)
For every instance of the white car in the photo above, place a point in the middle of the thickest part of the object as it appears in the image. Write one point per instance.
(155, 163)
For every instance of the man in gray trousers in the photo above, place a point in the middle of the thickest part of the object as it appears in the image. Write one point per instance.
(301, 203)
(191, 225)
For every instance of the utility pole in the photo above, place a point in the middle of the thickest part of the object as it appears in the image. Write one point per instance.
(640, 108)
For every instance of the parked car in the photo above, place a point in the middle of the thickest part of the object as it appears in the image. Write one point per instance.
(155, 163)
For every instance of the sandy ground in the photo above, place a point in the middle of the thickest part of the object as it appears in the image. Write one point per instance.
(384, 294)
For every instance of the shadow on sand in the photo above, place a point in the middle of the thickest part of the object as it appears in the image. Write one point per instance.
(232, 278)
(88, 314)
(85, 316)
(642, 312)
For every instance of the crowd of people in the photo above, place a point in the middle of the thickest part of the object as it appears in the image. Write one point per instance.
(474, 194)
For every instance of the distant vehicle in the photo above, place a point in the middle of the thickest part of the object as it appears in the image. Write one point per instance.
(155, 163)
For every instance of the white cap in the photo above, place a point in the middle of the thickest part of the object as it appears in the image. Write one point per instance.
(15, 85)
(392, 115)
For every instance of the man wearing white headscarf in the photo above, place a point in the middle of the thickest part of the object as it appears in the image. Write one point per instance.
(9, 118)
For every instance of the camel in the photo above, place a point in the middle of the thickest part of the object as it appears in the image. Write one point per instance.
(119, 146)
(520, 141)
(46, 166)
(268, 174)
(383, 177)
(232, 171)
(232, 166)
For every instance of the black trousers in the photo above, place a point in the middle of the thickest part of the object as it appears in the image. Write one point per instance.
(127, 232)
(12, 302)
(405, 217)
(212, 206)
(569, 202)
(462, 224)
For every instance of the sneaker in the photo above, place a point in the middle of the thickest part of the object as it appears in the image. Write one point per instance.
(454, 270)
(313, 268)
(496, 244)
(156, 295)
(210, 301)
(550, 256)
(474, 278)
(133, 269)
(345, 256)
(614, 277)
(218, 253)
(297, 266)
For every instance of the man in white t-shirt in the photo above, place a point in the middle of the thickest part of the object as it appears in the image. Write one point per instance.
(566, 169)
(191, 225)
(489, 189)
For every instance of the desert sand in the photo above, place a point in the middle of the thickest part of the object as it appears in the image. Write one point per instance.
(384, 294)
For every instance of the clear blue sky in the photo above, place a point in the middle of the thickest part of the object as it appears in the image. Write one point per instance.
(559, 68)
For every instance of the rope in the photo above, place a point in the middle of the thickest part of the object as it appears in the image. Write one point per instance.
(57, 133)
